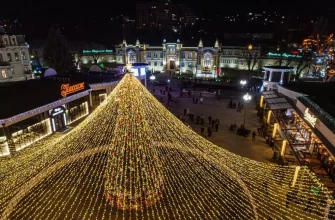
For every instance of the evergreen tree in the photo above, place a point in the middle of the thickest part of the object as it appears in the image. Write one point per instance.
(56, 51)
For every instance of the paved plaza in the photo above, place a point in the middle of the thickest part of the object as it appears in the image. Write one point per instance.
(244, 146)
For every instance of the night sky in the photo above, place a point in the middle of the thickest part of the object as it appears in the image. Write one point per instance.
(95, 17)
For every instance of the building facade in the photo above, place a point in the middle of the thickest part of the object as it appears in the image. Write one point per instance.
(173, 57)
(14, 57)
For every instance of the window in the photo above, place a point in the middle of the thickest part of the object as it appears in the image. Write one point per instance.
(131, 56)
(235, 61)
(155, 55)
(13, 41)
(12, 71)
(4, 74)
(24, 55)
(155, 63)
(236, 52)
(6, 41)
(224, 52)
(149, 63)
(230, 52)
(208, 60)
(182, 55)
(189, 64)
(9, 57)
(149, 54)
(190, 56)
(161, 63)
(161, 56)
(1, 58)
(16, 54)
(182, 64)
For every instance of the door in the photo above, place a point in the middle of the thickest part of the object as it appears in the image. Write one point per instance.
(172, 65)
(59, 122)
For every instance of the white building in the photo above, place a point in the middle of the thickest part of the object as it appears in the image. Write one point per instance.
(14, 57)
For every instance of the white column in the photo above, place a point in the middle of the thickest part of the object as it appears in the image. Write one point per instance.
(289, 76)
(270, 77)
(282, 77)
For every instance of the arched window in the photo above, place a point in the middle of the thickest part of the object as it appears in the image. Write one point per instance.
(208, 60)
(131, 56)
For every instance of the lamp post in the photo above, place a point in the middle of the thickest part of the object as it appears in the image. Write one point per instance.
(243, 83)
(246, 99)
(152, 78)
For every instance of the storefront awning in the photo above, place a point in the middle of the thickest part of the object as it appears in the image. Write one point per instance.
(278, 103)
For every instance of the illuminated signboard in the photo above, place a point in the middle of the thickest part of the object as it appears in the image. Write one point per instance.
(309, 117)
(69, 89)
(283, 55)
(97, 51)
(57, 111)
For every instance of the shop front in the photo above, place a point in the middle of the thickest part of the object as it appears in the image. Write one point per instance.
(58, 118)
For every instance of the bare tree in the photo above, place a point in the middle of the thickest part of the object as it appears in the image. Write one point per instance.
(304, 63)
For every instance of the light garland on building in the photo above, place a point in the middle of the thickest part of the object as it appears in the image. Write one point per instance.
(132, 159)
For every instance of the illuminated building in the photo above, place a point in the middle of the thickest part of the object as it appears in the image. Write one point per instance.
(133, 159)
(14, 57)
(174, 57)
(32, 110)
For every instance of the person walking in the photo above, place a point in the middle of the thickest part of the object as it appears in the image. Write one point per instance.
(189, 93)
(185, 111)
(209, 129)
(217, 125)
(210, 120)
(213, 123)
(196, 100)
(201, 99)
(253, 136)
(202, 119)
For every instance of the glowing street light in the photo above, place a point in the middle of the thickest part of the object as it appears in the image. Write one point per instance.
(152, 78)
(246, 99)
(243, 83)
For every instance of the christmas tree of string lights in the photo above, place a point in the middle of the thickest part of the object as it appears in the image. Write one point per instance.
(132, 159)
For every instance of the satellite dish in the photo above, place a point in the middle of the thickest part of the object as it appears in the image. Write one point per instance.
(50, 72)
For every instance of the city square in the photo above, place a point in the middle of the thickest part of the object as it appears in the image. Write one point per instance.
(166, 109)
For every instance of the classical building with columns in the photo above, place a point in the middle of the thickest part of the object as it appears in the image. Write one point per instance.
(174, 57)
(275, 75)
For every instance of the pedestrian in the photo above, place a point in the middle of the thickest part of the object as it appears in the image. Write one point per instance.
(166, 88)
(196, 100)
(185, 110)
(189, 93)
(253, 136)
(209, 129)
(213, 123)
(210, 120)
(201, 99)
(239, 105)
(193, 100)
(198, 119)
(202, 119)
(217, 126)
(161, 91)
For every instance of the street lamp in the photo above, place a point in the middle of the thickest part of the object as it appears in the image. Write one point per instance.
(152, 78)
(246, 99)
(243, 83)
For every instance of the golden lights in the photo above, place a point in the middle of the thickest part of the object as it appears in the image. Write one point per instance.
(132, 159)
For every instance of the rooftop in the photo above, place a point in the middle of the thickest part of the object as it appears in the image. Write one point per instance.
(321, 93)
(22, 96)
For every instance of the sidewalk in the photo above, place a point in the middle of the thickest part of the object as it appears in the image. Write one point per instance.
(243, 146)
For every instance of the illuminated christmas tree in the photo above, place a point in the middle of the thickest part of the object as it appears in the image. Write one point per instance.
(133, 177)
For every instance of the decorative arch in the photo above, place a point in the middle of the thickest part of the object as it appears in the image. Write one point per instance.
(208, 59)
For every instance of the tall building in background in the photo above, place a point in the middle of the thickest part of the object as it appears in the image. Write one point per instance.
(164, 15)
(127, 27)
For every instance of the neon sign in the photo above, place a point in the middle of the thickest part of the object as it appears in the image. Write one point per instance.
(67, 89)
(283, 55)
(310, 118)
(97, 51)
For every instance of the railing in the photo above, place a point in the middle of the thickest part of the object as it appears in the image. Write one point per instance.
(323, 116)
